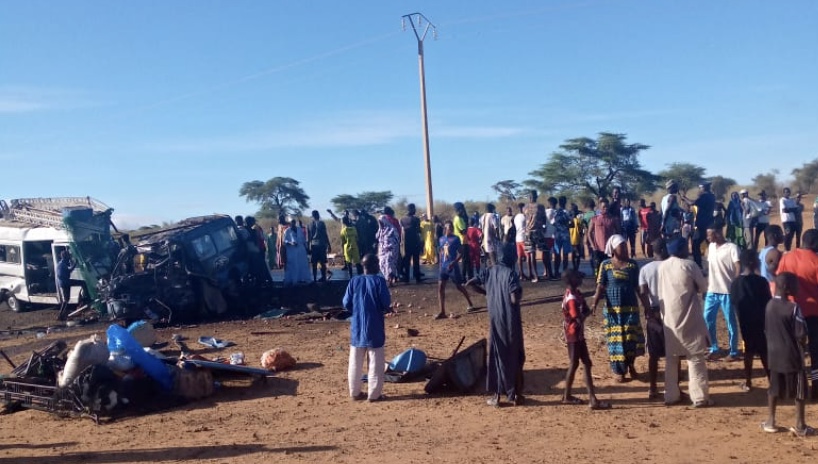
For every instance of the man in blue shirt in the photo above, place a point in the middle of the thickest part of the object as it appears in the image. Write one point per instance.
(64, 268)
(705, 206)
(367, 298)
(451, 252)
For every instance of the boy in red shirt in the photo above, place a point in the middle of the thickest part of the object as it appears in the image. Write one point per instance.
(575, 310)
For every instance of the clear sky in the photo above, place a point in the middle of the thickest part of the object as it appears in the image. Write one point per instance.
(163, 109)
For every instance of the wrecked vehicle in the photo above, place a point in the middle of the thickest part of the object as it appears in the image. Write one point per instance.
(196, 269)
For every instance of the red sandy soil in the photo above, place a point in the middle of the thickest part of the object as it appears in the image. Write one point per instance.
(305, 415)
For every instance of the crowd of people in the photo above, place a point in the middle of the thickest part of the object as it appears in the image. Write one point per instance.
(769, 298)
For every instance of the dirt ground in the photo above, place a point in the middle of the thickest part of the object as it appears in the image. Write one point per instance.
(304, 415)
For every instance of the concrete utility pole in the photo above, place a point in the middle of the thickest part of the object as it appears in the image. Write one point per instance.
(416, 20)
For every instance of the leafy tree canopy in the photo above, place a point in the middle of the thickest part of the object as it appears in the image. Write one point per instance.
(509, 191)
(686, 175)
(721, 185)
(805, 176)
(368, 201)
(768, 182)
(279, 195)
(594, 166)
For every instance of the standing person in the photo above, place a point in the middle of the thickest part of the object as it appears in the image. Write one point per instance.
(490, 226)
(786, 338)
(319, 246)
(735, 222)
(764, 207)
(451, 251)
(520, 241)
(787, 209)
(654, 328)
(281, 247)
(705, 206)
(770, 255)
(548, 255)
(412, 244)
(562, 238)
(654, 227)
(367, 227)
(803, 262)
(723, 267)
(349, 244)
(534, 233)
(367, 298)
(574, 313)
(749, 295)
(474, 236)
(615, 205)
(506, 354)
(643, 213)
(506, 222)
(815, 213)
(749, 213)
(618, 281)
(272, 248)
(602, 228)
(296, 271)
(427, 234)
(64, 268)
(587, 217)
(575, 233)
(680, 284)
(460, 224)
(670, 203)
(799, 219)
(388, 249)
(630, 225)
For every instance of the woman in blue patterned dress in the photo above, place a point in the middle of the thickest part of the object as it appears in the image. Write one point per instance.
(618, 281)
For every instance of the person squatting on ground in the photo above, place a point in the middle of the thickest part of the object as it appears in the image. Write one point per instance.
(367, 298)
(506, 356)
(749, 295)
(451, 252)
(654, 329)
(723, 267)
(617, 282)
(786, 340)
(680, 284)
(574, 312)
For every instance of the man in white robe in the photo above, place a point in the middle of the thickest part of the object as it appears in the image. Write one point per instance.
(681, 286)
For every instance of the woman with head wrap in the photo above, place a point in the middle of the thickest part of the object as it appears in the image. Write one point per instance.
(618, 281)
(297, 269)
(388, 248)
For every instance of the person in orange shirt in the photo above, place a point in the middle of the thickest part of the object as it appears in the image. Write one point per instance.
(803, 262)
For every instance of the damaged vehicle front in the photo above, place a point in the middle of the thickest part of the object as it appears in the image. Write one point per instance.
(199, 268)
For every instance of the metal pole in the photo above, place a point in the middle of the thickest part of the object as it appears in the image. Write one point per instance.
(430, 203)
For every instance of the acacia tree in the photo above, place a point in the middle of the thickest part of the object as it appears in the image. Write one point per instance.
(804, 177)
(367, 201)
(686, 175)
(508, 191)
(768, 182)
(594, 166)
(719, 185)
(279, 195)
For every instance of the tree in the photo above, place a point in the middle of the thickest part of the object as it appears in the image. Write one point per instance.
(686, 175)
(720, 185)
(804, 177)
(367, 201)
(768, 182)
(593, 166)
(279, 195)
(508, 191)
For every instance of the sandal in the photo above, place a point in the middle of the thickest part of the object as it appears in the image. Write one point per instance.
(653, 395)
(572, 400)
(441, 316)
(805, 432)
(745, 387)
(600, 406)
(769, 428)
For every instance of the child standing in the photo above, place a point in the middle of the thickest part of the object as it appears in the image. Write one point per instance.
(367, 298)
(574, 311)
(786, 338)
(749, 295)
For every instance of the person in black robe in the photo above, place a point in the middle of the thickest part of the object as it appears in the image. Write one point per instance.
(749, 295)
(503, 291)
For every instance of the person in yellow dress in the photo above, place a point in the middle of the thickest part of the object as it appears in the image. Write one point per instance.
(349, 243)
(427, 233)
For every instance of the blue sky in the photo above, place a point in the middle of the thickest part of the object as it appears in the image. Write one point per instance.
(163, 109)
